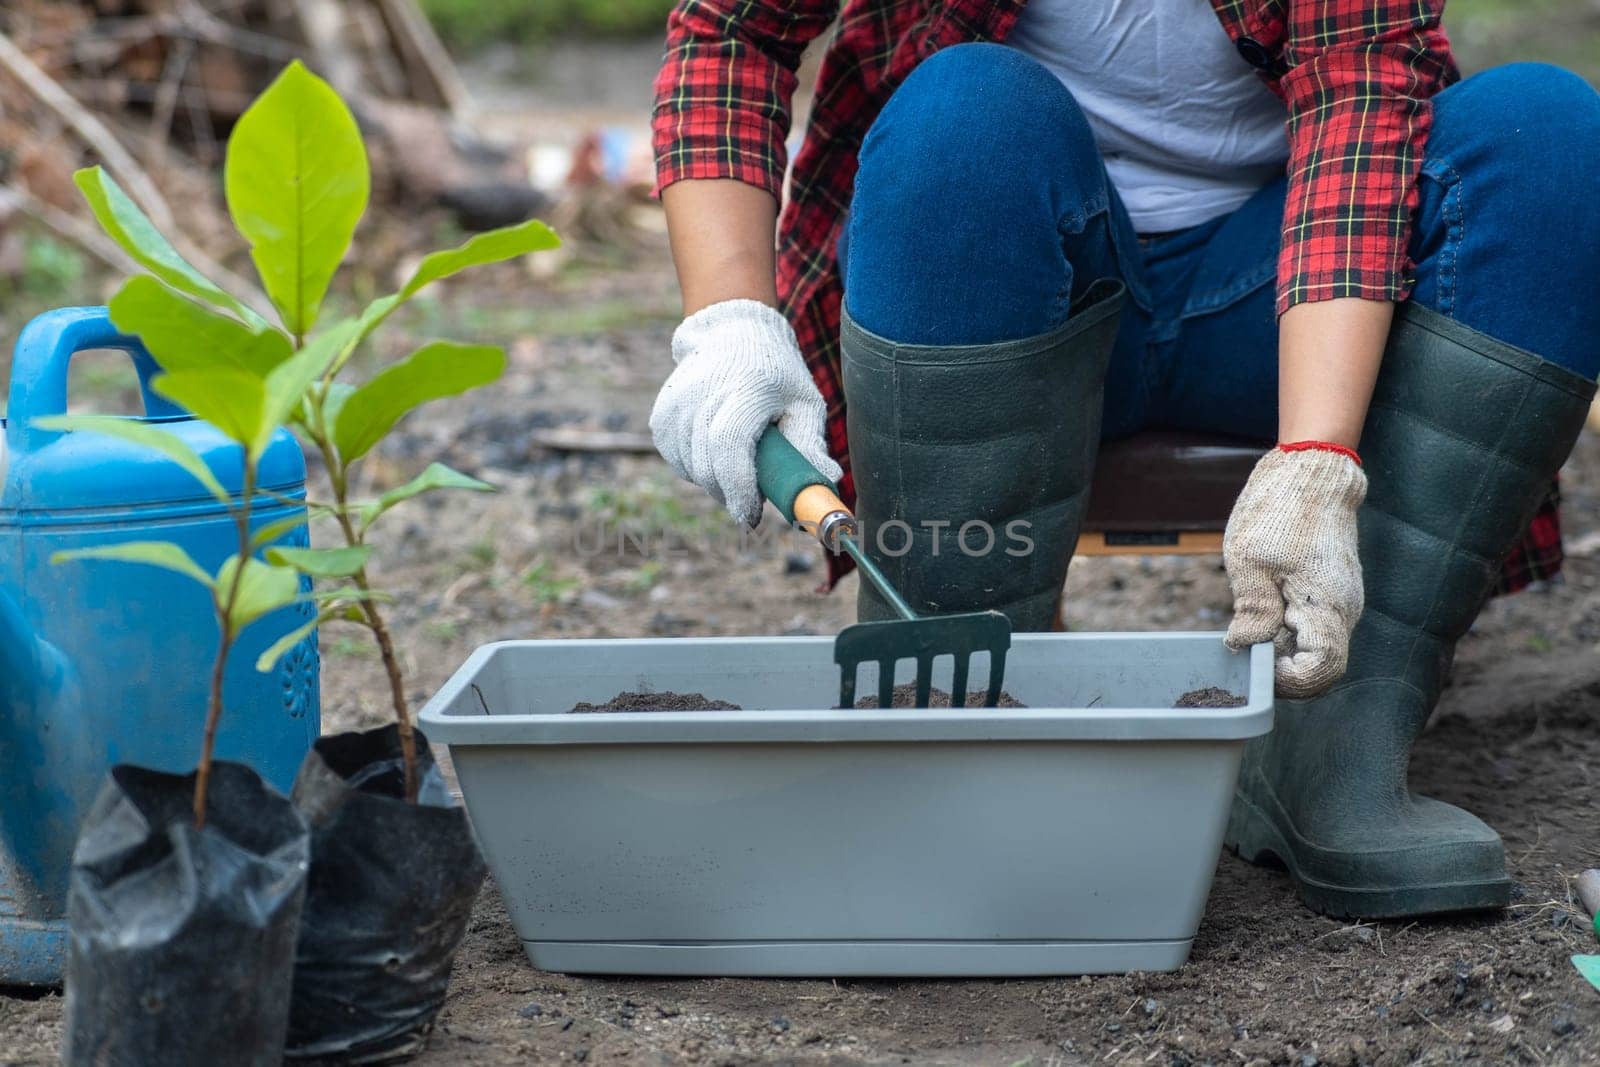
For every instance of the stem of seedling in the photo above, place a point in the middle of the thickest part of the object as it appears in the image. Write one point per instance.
(391, 665)
(225, 609)
(339, 482)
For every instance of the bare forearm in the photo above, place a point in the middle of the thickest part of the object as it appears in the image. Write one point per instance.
(737, 364)
(722, 234)
(1328, 358)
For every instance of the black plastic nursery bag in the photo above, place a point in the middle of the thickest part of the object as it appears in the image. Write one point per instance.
(391, 892)
(181, 946)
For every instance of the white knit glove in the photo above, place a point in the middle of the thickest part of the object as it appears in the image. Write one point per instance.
(1291, 553)
(739, 370)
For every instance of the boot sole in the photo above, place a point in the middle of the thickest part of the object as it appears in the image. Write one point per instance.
(1253, 838)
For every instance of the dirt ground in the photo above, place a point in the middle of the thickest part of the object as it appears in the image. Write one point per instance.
(1515, 740)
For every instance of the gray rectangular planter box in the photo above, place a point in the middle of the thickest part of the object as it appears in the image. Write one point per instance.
(1076, 836)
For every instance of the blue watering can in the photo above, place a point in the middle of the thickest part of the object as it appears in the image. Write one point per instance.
(104, 662)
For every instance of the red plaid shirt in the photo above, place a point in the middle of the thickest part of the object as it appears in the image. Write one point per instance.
(1356, 76)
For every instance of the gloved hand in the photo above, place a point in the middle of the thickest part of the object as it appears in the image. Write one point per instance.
(739, 370)
(1291, 553)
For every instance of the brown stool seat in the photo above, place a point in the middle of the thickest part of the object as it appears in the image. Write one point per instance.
(1166, 491)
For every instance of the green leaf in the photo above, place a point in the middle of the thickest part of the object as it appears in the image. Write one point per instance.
(437, 476)
(436, 370)
(183, 335)
(297, 182)
(232, 400)
(142, 433)
(508, 242)
(283, 645)
(495, 246)
(332, 401)
(278, 528)
(322, 562)
(289, 382)
(163, 554)
(263, 588)
(131, 228)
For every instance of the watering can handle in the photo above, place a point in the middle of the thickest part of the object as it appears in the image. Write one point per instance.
(797, 489)
(39, 371)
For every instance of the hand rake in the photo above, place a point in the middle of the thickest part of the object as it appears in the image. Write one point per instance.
(807, 500)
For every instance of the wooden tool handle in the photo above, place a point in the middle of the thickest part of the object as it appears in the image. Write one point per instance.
(815, 503)
(796, 488)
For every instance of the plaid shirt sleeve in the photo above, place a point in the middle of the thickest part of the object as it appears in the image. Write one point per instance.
(723, 93)
(1358, 76)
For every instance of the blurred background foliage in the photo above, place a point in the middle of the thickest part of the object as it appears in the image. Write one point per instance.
(468, 24)
(1485, 32)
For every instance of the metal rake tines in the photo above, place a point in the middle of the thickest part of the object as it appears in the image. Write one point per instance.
(924, 640)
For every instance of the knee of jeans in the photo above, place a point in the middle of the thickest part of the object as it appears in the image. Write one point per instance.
(1545, 118)
(982, 127)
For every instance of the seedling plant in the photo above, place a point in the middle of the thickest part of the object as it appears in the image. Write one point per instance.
(297, 183)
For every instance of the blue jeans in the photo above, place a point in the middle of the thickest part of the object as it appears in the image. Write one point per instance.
(982, 208)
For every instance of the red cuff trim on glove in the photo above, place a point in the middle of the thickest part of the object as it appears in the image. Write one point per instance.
(1320, 446)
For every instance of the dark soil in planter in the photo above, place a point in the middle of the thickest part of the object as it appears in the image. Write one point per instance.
(905, 696)
(1211, 697)
(655, 702)
(182, 945)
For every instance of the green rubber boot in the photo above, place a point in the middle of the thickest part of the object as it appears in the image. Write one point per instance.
(972, 463)
(1462, 439)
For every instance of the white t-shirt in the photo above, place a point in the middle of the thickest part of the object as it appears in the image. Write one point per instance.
(1187, 128)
